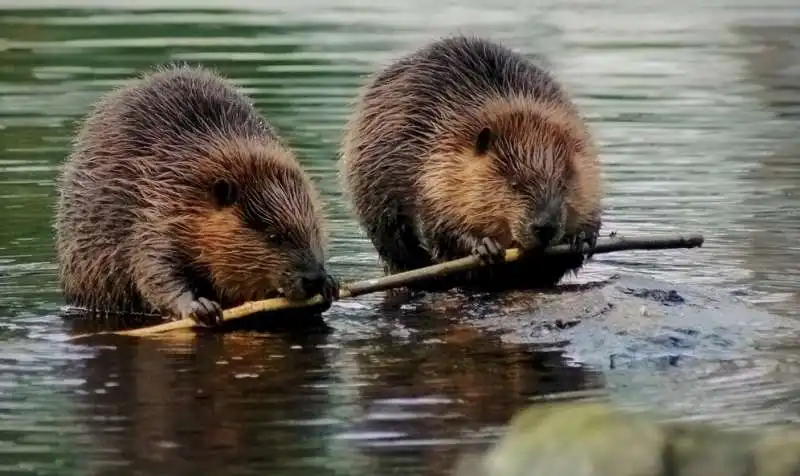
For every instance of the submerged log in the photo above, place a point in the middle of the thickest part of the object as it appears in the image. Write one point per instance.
(399, 280)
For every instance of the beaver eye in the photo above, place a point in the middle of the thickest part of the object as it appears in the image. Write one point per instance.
(483, 141)
(274, 238)
(516, 185)
(225, 193)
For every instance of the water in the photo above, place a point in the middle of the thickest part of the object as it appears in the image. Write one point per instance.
(695, 107)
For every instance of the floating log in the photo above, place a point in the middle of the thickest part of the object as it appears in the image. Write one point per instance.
(358, 288)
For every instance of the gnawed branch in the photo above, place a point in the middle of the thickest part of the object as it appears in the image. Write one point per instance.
(358, 288)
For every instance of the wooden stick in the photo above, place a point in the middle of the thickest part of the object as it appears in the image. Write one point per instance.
(605, 245)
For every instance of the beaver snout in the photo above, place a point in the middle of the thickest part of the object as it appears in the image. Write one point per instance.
(312, 280)
(543, 233)
(543, 227)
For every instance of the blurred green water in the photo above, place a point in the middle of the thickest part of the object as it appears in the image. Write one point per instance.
(695, 108)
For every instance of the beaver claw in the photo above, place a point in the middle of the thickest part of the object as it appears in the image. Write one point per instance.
(489, 251)
(588, 237)
(204, 311)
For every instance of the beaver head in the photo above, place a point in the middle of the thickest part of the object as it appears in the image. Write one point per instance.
(260, 227)
(508, 173)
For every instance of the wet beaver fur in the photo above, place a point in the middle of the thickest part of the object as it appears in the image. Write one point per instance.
(179, 198)
(465, 146)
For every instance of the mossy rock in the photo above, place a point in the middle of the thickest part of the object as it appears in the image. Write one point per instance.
(594, 439)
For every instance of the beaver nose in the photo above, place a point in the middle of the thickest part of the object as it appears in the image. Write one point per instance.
(543, 233)
(312, 280)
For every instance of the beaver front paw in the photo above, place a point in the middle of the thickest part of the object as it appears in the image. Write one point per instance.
(201, 310)
(489, 251)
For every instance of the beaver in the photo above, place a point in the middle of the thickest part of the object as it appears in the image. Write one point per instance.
(465, 146)
(178, 197)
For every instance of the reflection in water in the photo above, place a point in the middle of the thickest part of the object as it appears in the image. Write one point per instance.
(695, 110)
(189, 406)
(211, 403)
(773, 224)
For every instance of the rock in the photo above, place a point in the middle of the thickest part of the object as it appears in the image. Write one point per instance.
(594, 439)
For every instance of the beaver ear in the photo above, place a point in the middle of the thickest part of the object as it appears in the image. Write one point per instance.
(483, 141)
(225, 193)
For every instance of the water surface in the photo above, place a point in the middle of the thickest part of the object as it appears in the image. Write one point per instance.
(695, 108)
